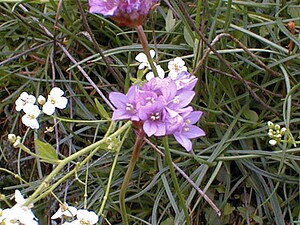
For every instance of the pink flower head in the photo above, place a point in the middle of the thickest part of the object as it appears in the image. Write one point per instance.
(161, 107)
(126, 12)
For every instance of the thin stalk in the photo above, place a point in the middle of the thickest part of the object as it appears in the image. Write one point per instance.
(134, 158)
(145, 45)
(70, 158)
(175, 181)
(111, 174)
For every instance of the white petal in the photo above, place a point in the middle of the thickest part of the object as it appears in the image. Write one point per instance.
(149, 76)
(48, 108)
(70, 212)
(141, 57)
(61, 102)
(19, 104)
(160, 71)
(57, 215)
(88, 216)
(56, 92)
(23, 95)
(152, 53)
(19, 198)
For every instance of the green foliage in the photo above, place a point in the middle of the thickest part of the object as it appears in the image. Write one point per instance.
(243, 83)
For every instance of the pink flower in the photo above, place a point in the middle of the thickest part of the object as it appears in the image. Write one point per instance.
(126, 12)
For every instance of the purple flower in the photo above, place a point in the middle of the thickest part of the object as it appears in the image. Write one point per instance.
(127, 106)
(185, 81)
(153, 116)
(161, 108)
(126, 12)
(105, 7)
(189, 130)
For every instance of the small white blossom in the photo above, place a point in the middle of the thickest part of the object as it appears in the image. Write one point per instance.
(31, 114)
(84, 217)
(41, 100)
(272, 142)
(65, 210)
(160, 72)
(18, 214)
(23, 100)
(12, 138)
(55, 100)
(176, 66)
(143, 60)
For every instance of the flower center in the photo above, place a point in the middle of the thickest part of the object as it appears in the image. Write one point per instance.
(52, 100)
(188, 122)
(186, 129)
(150, 99)
(155, 116)
(129, 107)
(84, 222)
(176, 100)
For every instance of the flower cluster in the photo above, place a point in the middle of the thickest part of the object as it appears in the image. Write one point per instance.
(18, 214)
(161, 106)
(27, 102)
(83, 216)
(126, 12)
(275, 133)
(144, 64)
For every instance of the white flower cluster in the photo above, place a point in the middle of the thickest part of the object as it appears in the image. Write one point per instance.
(26, 102)
(18, 214)
(175, 66)
(83, 216)
(275, 133)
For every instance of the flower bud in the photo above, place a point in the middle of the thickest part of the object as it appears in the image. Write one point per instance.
(272, 142)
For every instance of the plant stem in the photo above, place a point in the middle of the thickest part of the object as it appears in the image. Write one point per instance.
(111, 174)
(45, 184)
(174, 179)
(145, 45)
(134, 158)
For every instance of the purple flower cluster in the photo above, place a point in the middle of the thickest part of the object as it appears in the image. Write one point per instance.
(162, 107)
(126, 12)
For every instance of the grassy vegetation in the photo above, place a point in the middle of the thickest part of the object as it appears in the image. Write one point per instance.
(246, 56)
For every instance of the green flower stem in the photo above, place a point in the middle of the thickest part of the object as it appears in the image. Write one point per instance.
(145, 45)
(33, 198)
(174, 179)
(134, 158)
(111, 176)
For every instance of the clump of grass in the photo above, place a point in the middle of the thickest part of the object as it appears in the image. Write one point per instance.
(245, 56)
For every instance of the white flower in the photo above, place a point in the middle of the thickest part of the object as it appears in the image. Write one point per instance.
(176, 66)
(18, 214)
(41, 100)
(31, 114)
(84, 217)
(55, 100)
(143, 60)
(12, 138)
(160, 72)
(23, 100)
(64, 210)
(272, 142)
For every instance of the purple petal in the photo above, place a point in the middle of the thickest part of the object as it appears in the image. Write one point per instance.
(193, 132)
(194, 116)
(106, 8)
(118, 99)
(185, 142)
(149, 128)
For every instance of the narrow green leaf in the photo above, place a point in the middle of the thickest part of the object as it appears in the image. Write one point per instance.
(46, 152)
(188, 38)
(169, 221)
(170, 21)
(102, 111)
